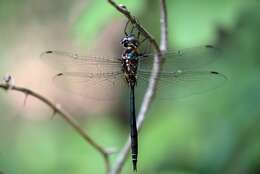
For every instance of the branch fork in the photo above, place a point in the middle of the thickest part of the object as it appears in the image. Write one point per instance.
(8, 84)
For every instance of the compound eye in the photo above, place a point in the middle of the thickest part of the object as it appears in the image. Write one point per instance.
(124, 40)
(125, 44)
(131, 39)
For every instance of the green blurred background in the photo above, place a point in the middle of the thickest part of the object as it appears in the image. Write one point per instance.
(215, 132)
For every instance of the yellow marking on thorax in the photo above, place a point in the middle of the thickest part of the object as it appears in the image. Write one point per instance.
(136, 49)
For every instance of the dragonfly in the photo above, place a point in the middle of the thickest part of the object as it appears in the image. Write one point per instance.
(181, 70)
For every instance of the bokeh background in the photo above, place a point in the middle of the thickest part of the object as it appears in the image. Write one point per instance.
(215, 132)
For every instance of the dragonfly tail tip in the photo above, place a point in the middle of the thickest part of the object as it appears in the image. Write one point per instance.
(134, 166)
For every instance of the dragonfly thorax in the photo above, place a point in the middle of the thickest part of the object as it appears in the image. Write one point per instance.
(130, 64)
(131, 53)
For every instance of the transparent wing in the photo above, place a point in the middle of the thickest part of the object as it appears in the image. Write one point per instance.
(186, 59)
(98, 86)
(90, 76)
(179, 84)
(61, 60)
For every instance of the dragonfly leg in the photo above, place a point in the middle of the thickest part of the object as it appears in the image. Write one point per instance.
(126, 26)
(147, 47)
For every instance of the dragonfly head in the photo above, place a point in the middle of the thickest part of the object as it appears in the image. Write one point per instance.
(129, 41)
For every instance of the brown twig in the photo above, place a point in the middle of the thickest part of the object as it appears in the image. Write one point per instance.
(146, 101)
(65, 116)
(140, 28)
(150, 92)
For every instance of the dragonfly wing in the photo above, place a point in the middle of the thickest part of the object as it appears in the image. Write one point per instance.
(186, 59)
(90, 76)
(97, 86)
(179, 84)
(66, 61)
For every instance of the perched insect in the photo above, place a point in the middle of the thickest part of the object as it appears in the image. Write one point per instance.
(180, 75)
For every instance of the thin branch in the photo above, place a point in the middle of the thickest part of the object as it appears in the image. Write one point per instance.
(146, 34)
(164, 25)
(63, 115)
(150, 92)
